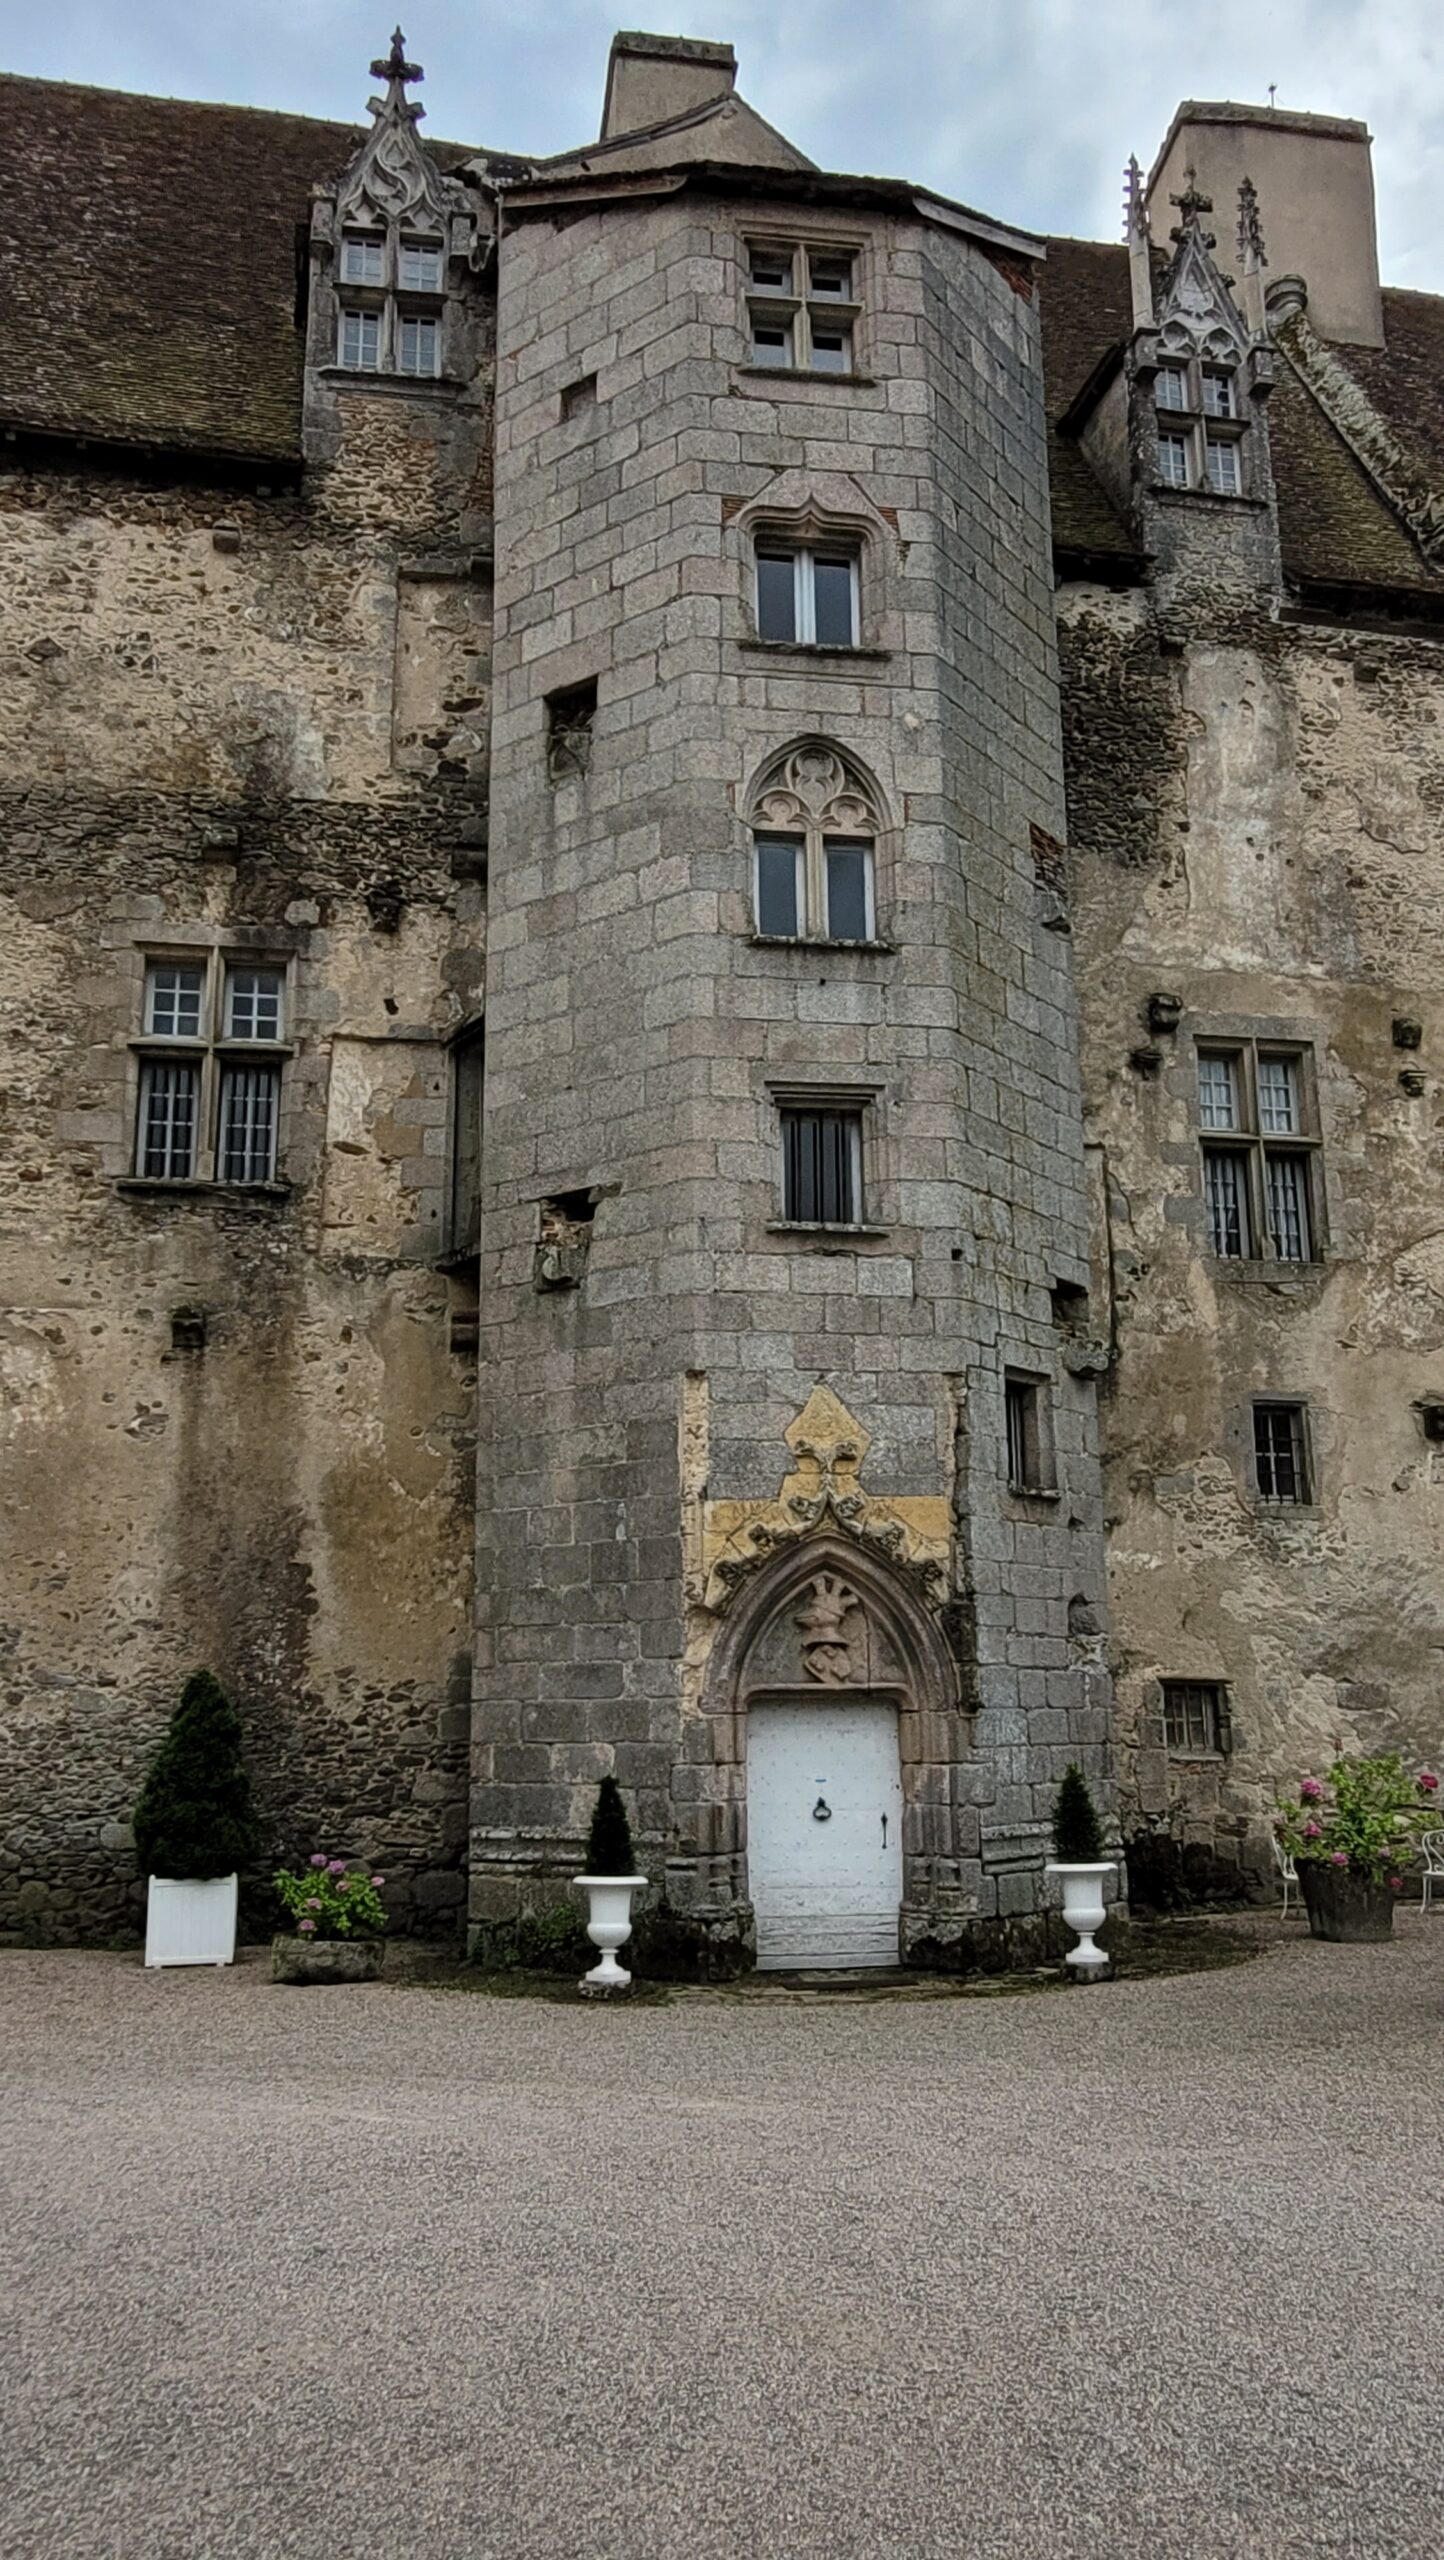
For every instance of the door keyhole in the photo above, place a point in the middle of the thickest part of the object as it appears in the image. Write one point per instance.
(821, 1811)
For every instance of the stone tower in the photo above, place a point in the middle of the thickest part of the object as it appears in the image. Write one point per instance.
(786, 1395)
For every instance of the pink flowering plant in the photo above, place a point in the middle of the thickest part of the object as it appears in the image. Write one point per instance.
(1366, 1816)
(331, 1898)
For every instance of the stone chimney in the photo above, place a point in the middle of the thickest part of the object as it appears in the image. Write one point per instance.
(1315, 187)
(650, 79)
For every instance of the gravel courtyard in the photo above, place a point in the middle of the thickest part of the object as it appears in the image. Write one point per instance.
(1154, 2269)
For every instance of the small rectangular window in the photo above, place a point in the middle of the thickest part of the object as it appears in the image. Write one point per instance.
(822, 1167)
(1026, 1427)
(174, 998)
(1281, 1453)
(1222, 459)
(420, 269)
(1171, 389)
(1290, 1226)
(363, 258)
(1218, 395)
(1226, 1186)
(253, 1004)
(166, 1135)
(848, 869)
(570, 715)
(1217, 1092)
(831, 350)
(807, 597)
(418, 345)
(779, 884)
(467, 1064)
(1194, 1720)
(770, 270)
(1173, 461)
(249, 1096)
(360, 341)
(829, 279)
(1278, 1096)
(772, 342)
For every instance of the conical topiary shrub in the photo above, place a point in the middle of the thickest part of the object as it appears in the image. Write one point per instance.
(609, 1841)
(194, 1819)
(1077, 1832)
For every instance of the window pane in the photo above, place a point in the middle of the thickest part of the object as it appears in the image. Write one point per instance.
(420, 268)
(1226, 1187)
(1171, 389)
(253, 1004)
(832, 591)
(1279, 1452)
(831, 350)
(849, 879)
(777, 595)
(1218, 1093)
(360, 348)
(1173, 461)
(772, 342)
(821, 1153)
(1222, 466)
(1288, 1196)
(362, 256)
(1278, 1096)
(829, 279)
(418, 346)
(779, 871)
(173, 999)
(248, 1123)
(1218, 394)
(1191, 1716)
(165, 1139)
(771, 271)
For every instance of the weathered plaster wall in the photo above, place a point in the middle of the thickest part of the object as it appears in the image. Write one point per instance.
(1264, 841)
(267, 749)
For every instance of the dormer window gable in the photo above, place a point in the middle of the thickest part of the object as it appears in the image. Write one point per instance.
(1197, 358)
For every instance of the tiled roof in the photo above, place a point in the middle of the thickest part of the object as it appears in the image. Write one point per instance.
(149, 286)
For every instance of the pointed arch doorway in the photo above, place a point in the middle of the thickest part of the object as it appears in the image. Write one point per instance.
(841, 1700)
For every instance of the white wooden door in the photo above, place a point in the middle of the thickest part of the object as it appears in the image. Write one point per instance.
(824, 1834)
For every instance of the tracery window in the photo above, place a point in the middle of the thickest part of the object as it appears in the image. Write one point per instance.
(815, 824)
(1201, 430)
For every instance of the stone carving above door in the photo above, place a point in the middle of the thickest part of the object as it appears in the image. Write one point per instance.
(823, 1489)
(827, 1654)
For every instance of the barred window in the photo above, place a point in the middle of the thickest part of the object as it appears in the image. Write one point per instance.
(169, 1090)
(822, 1167)
(249, 1096)
(1281, 1458)
(1262, 1198)
(208, 1106)
(1194, 1718)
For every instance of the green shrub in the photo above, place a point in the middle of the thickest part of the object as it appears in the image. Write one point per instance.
(609, 1841)
(194, 1817)
(1077, 1832)
(331, 1899)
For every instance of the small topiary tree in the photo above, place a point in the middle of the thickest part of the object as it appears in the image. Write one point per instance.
(194, 1819)
(1077, 1832)
(609, 1841)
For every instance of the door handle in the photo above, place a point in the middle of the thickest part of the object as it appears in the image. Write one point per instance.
(884, 1831)
(821, 1811)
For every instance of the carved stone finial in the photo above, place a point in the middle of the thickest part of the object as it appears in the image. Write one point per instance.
(1135, 211)
(394, 65)
(1250, 229)
(1191, 207)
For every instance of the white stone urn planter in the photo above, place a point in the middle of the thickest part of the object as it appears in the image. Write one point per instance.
(609, 1925)
(1084, 1910)
(190, 1923)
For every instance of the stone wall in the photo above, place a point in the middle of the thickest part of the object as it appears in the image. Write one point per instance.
(639, 1036)
(235, 1430)
(1265, 845)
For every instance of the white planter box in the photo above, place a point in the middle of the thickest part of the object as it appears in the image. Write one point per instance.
(189, 1923)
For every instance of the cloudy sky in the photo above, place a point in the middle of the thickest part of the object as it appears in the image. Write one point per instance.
(1025, 108)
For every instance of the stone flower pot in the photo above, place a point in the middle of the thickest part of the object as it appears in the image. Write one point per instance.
(609, 1925)
(1349, 1909)
(327, 1959)
(1084, 1911)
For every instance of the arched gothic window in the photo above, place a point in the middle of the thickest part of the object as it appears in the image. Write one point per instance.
(815, 823)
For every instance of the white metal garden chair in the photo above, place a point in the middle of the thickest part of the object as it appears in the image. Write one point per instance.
(1432, 1845)
(1284, 1861)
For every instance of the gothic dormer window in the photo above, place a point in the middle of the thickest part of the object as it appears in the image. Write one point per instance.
(1199, 398)
(401, 236)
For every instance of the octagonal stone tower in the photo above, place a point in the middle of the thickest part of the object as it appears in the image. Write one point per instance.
(787, 1484)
